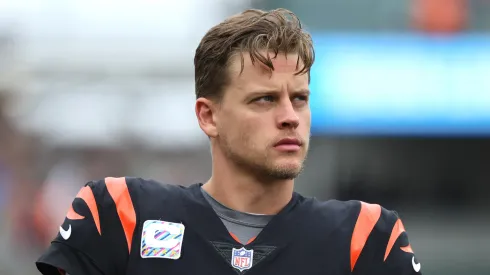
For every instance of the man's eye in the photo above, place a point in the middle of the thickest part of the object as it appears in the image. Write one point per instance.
(301, 98)
(267, 98)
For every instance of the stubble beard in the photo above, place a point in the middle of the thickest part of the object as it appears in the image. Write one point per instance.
(259, 164)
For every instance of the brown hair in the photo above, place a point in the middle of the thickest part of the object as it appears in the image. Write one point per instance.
(252, 31)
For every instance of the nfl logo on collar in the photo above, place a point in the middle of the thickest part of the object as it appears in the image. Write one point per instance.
(242, 258)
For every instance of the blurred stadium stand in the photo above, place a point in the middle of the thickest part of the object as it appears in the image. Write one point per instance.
(96, 88)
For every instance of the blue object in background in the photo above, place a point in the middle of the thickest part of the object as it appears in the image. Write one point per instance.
(401, 85)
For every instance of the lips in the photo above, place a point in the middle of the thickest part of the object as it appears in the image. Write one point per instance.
(288, 141)
(288, 145)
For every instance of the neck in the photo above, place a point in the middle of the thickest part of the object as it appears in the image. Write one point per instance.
(244, 192)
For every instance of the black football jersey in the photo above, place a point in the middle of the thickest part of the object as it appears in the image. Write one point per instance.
(133, 226)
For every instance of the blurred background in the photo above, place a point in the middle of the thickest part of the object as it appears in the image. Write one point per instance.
(400, 102)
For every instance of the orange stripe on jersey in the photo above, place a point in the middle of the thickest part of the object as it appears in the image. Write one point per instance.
(235, 237)
(397, 230)
(72, 215)
(407, 249)
(87, 195)
(368, 217)
(118, 189)
(251, 240)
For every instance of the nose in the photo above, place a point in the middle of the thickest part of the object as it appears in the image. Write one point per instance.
(287, 117)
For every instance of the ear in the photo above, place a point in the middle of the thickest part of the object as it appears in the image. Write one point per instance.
(205, 112)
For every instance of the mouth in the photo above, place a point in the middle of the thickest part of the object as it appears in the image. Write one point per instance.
(288, 144)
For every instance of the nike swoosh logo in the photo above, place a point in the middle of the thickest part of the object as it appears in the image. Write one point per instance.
(416, 267)
(65, 233)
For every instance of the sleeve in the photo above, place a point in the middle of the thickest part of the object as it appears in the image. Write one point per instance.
(399, 258)
(380, 244)
(95, 237)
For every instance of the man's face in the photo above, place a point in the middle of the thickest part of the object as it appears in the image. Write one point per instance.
(263, 122)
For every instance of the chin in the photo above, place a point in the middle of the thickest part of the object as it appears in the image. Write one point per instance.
(284, 174)
(291, 162)
(290, 169)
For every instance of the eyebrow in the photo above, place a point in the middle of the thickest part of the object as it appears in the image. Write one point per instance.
(302, 91)
(260, 92)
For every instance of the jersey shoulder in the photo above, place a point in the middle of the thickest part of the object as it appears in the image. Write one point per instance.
(135, 200)
(154, 200)
(125, 199)
(101, 224)
(377, 237)
(357, 212)
(149, 192)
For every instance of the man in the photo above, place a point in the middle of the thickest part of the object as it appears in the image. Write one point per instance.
(252, 78)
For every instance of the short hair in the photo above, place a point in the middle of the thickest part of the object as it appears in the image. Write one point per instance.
(255, 32)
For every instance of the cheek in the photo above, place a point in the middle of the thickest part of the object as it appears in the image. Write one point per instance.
(248, 130)
(234, 126)
(308, 120)
(305, 117)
